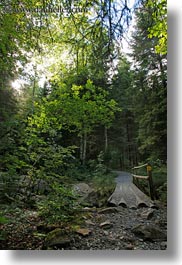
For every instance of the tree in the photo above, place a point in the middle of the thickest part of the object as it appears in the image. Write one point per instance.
(79, 109)
(159, 27)
(123, 131)
(149, 90)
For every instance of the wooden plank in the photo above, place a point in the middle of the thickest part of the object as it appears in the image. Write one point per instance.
(140, 166)
(140, 177)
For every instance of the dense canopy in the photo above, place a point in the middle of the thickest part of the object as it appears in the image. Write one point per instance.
(74, 105)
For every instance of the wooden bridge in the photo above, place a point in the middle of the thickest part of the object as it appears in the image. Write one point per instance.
(127, 194)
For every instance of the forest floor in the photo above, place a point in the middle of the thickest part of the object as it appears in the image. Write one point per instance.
(93, 228)
(112, 228)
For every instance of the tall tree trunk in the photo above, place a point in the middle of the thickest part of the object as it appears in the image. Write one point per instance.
(164, 81)
(77, 60)
(106, 138)
(33, 95)
(128, 144)
(81, 147)
(84, 147)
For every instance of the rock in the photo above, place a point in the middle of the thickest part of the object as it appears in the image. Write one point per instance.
(89, 222)
(106, 233)
(149, 232)
(88, 209)
(127, 239)
(83, 231)
(34, 186)
(148, 214)
(162, 223)
(88, 196)
(93, 199)
(129, 247)
(163, 245)
(56, 238)
(40, 186)
(46, 228)
(106, 225)
(108, 210)
(82, 189)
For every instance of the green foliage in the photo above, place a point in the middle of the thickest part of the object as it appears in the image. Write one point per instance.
(123, 132)
(103, 185)
(112, 158)
(103, 178)
(78, 172)
(100, 168)
(149, 92)
(9, 185)
(3, 220)
(12, 155)
(159, 27)
(59, 206)
(83, 106)
(55, 134)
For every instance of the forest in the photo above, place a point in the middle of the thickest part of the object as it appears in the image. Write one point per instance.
(76, 107)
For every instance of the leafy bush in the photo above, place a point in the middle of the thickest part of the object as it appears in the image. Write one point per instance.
(9, 184)
(78, 172)
(3, 220)
(100, 168)
(103, 180)
(58, 206)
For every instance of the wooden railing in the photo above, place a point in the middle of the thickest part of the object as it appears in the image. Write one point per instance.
(148, 177)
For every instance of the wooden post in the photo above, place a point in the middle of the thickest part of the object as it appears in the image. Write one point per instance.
(151, 186)
(133, 177)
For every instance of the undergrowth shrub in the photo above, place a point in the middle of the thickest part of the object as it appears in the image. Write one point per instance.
(103, 180)
(3, 220)
(58, 206)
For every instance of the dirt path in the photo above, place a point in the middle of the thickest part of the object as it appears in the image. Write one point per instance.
(123, 177)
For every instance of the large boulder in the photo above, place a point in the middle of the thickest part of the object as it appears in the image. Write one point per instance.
(29, 186)
(88, 196)
(82, 189)
(149, 232)
(56, 238)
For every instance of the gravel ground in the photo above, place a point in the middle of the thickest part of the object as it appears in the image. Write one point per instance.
(111, 229)
(117, 234)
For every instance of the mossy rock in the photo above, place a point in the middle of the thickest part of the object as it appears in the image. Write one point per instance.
(57, 238)
(149, 232)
